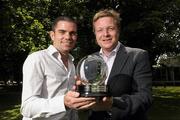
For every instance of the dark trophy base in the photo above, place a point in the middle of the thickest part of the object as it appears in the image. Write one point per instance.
(92, 90)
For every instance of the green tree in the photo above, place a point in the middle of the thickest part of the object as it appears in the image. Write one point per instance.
(22, 31)
(149, 24)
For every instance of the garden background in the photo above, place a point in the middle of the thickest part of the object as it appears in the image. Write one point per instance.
(153, 25)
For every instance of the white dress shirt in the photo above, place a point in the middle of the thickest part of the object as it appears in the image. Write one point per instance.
(109, 59)
(45, 81)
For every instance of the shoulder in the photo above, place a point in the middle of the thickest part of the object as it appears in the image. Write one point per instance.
(134, 50)
(36, 56)
(135, 53)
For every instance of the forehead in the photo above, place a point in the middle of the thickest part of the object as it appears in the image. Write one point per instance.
(104, 21)
(67, 25)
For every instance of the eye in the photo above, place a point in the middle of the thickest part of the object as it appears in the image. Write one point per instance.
(111, 28)
(73, 33)
(99, 30)
(62, 32)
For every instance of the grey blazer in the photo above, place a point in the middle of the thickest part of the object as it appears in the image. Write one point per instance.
(129, 83)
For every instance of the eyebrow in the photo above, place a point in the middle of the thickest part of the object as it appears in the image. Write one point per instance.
(65, 30)
(71, 32)
(61, 30)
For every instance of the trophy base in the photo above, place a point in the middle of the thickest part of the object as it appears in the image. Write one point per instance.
(92, 90)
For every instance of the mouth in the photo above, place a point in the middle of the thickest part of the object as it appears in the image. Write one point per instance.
(68, 42)
(106, 40)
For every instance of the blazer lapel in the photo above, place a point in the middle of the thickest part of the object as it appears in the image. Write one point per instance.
(119, 61)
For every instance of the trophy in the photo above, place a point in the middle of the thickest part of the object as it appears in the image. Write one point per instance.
(92, 71)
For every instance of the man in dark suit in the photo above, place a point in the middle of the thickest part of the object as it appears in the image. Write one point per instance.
(129, 77)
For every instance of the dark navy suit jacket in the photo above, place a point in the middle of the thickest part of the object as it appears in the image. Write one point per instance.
(129, 83)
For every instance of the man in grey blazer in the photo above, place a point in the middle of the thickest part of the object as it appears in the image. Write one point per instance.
(129, 77)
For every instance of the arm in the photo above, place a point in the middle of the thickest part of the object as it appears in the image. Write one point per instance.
(33, 104)
(133, 97)
(140, 98)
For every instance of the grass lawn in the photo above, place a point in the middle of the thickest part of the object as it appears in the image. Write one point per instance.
(9, 105)
(166, 105)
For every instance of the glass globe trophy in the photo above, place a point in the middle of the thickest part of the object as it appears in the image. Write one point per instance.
(92, 71)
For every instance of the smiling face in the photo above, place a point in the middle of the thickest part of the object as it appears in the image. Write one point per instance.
(64, 36)
(107, 33)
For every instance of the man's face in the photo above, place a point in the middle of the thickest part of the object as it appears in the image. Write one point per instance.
(64, 36)
(107, 33)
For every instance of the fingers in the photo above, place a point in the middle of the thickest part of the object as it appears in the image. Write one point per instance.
(89, 105)
(81, 103)
(76, 77)
(107, 99)
(69, 98)
(72, 94)
(72, 100)
(73, 88)
(79, 81)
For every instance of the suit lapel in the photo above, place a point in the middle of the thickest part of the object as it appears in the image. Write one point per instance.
(119, 61)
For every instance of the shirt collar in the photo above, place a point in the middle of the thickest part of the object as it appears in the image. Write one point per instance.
(113, 51)
(54, 52)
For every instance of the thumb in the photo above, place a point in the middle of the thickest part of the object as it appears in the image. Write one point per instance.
(73, 94)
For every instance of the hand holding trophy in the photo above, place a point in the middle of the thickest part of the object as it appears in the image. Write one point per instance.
(92, 71)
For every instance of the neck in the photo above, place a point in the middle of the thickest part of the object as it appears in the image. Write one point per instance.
(107, 52)
(64, 55)
(64, 58)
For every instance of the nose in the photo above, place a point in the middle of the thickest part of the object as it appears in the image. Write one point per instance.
(106, 32)
(67, 35)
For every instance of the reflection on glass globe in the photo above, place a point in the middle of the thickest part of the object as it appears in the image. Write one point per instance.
(92, 70)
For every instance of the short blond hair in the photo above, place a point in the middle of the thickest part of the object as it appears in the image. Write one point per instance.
(107, 13)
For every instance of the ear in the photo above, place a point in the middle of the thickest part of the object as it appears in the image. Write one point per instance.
(51, 34)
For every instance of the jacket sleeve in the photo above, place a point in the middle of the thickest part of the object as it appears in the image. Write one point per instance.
(140, 98)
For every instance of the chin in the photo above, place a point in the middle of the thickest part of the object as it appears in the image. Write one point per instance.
(107, 46)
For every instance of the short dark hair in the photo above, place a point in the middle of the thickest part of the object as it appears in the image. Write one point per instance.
(62, 18)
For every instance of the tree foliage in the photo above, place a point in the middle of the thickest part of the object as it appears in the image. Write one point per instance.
(149, 24)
